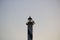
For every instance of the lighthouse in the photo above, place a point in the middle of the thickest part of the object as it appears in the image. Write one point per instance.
(30, 24)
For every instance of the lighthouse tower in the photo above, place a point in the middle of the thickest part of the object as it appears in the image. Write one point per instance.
(30, 24)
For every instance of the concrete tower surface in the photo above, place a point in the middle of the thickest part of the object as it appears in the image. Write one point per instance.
(30, 24)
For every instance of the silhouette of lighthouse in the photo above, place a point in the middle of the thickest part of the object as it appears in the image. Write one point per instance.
(30, 24)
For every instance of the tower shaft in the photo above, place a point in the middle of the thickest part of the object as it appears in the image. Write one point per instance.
(30, 32)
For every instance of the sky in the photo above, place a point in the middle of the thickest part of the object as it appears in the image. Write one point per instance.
(14, 15)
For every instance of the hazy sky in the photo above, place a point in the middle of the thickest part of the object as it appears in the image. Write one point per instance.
(14, 14)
